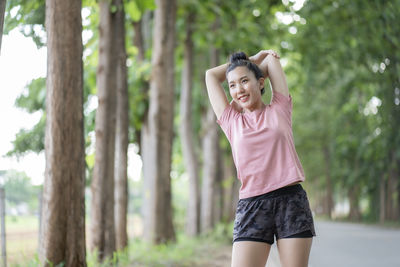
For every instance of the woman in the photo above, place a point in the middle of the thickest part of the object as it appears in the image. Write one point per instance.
(272, 203)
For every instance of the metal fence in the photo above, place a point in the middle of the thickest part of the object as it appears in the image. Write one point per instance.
(19, 234)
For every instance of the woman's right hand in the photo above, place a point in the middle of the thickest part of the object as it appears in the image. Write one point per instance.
(259, 57)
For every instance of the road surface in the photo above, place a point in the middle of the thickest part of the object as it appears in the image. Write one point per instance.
(350, 245)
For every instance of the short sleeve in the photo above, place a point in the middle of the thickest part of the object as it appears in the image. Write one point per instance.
(225, 120)
(283, 103)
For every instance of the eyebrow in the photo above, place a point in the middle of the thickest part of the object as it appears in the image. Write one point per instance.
(245, 76)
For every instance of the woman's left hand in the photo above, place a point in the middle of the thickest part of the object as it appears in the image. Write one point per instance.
(259, 57)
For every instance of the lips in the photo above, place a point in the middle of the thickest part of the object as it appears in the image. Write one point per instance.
(243, 98)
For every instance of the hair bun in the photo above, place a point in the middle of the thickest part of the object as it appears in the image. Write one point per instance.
(238, 56)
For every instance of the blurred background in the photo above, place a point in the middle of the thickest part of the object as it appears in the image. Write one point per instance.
(342, 63)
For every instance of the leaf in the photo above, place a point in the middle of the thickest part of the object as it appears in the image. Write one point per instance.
(133, 11)
(33, 97)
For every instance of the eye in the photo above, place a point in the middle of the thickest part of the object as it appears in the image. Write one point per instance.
(244, 81)
(232, 85)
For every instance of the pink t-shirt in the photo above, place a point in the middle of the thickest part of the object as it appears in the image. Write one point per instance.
(262, 146)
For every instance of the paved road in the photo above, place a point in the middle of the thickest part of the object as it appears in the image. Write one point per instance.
(355, 245)
(351, 245)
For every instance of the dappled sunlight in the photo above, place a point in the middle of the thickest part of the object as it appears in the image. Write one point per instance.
(372, 106)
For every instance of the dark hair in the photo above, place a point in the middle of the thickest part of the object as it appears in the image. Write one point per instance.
(240, 59)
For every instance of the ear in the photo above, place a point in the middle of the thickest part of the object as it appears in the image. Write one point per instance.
(261, 82)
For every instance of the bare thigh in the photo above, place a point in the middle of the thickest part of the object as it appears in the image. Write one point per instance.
(250, 254)
(294, 252)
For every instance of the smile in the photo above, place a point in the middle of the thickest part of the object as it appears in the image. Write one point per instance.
(243, 98)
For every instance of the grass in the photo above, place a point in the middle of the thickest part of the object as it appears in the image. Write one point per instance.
(185, 252)
(22, 242)
(21, 238)
(200, 251)
(22, 223)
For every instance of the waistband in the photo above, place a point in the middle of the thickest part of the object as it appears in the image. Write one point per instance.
(278, 192)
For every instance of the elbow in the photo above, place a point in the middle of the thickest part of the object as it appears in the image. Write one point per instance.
(271, 60)
(209, 74)
(214, 75)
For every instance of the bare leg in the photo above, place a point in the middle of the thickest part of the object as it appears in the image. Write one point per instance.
(250, 254)
(294, 252)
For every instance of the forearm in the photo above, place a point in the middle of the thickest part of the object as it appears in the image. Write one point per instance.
(275, 74)
(263, 60)
(216, 93)
(217, 73)
(265, 64)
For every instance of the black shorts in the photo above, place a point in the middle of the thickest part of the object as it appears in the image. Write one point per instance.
(282, 213)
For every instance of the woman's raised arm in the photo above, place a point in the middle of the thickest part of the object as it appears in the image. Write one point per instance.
(269, 63)
(216, 94)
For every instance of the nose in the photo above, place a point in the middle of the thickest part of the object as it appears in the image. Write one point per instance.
(240, 88)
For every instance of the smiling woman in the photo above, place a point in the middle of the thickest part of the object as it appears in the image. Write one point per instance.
(272, 202)
(246, 83)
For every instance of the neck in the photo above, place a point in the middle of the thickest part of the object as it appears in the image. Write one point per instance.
(256, 106)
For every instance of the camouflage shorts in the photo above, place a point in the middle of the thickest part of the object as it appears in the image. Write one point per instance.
(280, 213)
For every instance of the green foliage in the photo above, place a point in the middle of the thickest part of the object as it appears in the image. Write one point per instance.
(33, 97)
(31, 140)
(28, 16)
(339, 56)
(132, 9)
(32, 100)
(180, 196)
(17, 185)
(29, 263)
(135, 8)
(36, 262)
(138, 82)
(135, 196)
(19, 189)
(344, 69)
(185, 252)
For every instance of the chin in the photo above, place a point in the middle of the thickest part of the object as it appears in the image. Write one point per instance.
(246, 105)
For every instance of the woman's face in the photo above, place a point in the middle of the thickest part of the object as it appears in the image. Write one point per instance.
(244, 88)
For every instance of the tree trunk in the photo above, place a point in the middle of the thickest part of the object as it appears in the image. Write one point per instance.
(395, 209)
(147, 20)
(218, 189)
(329, 190)
(353, 194)
(235, 195)
(235, 189)
(392, 187)
(382, 194)
(231, 187)
(389, 196)
(2, 11)
(139, 42)
(63, 214)
(210, 159)
(121, 134)
(227, 187)
(157, 132)
(188, 149)
(102, 207)
(398, 200)
(398, 189)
